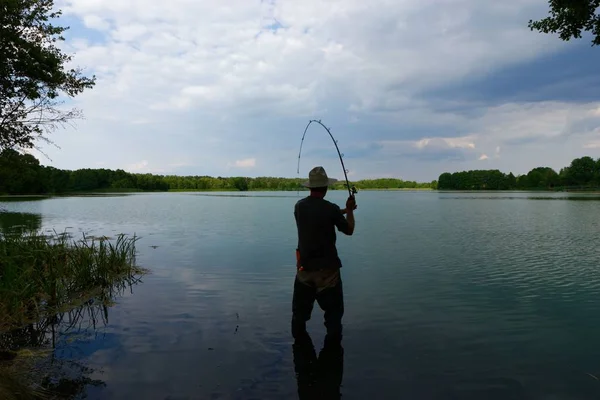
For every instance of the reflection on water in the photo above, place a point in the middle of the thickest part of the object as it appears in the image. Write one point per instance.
(86, 318)
(505, 197)
(242, 194)
(320, 377)
(62, 373)
(15, 222)
(20, 199)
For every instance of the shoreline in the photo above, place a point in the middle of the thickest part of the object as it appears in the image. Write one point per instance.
(129, 192)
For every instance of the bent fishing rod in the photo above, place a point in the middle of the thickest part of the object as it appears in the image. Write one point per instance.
(351, 191)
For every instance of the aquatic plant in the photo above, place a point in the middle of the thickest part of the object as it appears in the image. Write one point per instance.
(42, 275)
(50, 284)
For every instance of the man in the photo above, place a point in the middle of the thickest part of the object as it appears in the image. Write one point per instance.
(318, 265)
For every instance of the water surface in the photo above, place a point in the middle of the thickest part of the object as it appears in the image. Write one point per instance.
(448, 295)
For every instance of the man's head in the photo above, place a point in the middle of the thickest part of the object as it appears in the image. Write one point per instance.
(318, 181)
(318, 191)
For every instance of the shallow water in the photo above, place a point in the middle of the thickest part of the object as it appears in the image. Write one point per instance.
(448, 295)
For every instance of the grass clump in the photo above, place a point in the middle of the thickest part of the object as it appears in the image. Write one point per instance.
(41, 275)
(42, 280)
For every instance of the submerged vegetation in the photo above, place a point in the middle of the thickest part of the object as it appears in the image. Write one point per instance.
(47, 283)
(582, 174)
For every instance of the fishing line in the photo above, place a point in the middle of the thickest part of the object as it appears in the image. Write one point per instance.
(352, 190)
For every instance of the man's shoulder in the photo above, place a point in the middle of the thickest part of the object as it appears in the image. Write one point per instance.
(331, 205)
(301, 201)
(317, 203)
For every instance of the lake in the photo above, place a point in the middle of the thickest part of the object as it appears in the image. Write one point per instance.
(448, 295)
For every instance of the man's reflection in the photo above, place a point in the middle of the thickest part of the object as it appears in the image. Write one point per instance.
(318, 378)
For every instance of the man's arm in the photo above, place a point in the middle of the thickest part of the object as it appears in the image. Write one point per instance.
(346, 224)
(350, 219)
(350, 207)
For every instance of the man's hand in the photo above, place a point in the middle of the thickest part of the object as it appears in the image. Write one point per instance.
(351, 204)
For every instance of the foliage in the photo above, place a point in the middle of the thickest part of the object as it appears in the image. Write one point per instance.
(389, 183)
(569, 18)
(582, 173)
(33, 73)
(23, 174)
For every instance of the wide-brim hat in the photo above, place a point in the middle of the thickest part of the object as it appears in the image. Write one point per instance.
(317, 177)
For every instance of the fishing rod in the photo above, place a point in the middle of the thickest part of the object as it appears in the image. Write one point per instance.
(352, 191)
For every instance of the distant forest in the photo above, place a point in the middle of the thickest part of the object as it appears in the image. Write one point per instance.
(23, 174)
(583, 173)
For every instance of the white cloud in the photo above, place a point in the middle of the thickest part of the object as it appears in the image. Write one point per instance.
(461, 142)
(592, 145)
(516, 130)
(95, 22)
(245, 163)
(144, 167)
(452, 142)
(138, 166)
(201, 54)
(206, 82)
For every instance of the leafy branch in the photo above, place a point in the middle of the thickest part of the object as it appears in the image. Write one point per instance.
(569, 18)
(33, 74)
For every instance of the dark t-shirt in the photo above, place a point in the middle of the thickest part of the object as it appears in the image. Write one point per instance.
(316, 220)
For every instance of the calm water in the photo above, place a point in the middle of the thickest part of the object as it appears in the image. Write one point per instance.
(448, 296)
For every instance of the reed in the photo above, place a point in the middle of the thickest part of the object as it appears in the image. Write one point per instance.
(42, 280)
(43, 275)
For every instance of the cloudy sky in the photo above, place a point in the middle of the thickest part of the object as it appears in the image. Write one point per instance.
(410, 88)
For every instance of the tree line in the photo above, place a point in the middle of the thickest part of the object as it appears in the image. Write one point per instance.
(583, 173)
(23, 174)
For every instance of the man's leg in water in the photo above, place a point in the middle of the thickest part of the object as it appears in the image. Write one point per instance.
(302, 306)
(331, 300)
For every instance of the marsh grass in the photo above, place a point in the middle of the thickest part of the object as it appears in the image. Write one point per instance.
(44, 275)
(50, 284)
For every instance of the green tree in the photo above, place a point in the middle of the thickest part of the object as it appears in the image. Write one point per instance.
(55, 180)
(33, 73)
(240, 184)
(522, 182)
(445, 181)
(582, 171)
(542, 177)
(511, 181)
(569, 18)
(19, 173)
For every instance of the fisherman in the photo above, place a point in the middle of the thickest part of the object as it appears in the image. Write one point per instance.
(318, 265)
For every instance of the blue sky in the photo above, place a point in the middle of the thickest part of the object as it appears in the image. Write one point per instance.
(410, 88)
